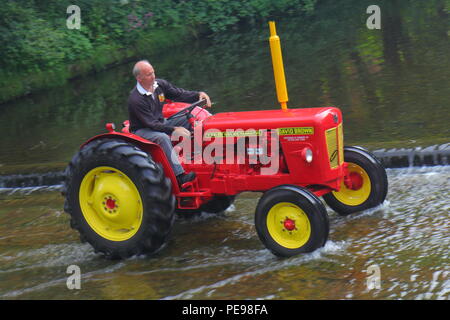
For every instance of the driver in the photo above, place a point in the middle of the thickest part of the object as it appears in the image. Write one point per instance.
(145, 105)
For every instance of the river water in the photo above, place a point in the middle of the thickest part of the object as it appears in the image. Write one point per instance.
(392, 86)
(221, 257)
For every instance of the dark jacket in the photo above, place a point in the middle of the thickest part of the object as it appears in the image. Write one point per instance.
(146, 111)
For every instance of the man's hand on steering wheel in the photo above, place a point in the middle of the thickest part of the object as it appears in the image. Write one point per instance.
(186, 111)
(181, 131)
(203, 96)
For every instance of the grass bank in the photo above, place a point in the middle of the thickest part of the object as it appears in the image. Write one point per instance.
(39, 50)
(17, 84)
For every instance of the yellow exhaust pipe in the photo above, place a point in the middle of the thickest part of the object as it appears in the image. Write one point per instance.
(278, 69)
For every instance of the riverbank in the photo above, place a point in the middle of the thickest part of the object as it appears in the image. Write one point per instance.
(17, 84)
(41, 51)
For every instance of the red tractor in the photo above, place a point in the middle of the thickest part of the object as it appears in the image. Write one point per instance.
(122, 194)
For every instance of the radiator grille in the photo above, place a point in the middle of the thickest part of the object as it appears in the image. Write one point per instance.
(335, 140)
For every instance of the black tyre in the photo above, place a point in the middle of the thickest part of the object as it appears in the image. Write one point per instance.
(119, 199)
(216, 205)
(381, 170)
(290, 220)
(368, 187)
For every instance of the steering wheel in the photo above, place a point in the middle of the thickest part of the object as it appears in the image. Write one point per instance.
(188, 109)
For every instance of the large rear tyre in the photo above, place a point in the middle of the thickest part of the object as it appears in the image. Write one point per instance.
(119, 199)
(290, 220)
(365, 187)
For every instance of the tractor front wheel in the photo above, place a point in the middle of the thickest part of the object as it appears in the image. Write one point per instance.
(290, 220)
(365, 186)
(119, 199)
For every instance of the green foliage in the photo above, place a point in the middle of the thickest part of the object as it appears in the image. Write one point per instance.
(219, 15)
(37, 45)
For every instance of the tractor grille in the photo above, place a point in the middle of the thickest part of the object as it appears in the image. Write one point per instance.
(341, 144)
(335, 146)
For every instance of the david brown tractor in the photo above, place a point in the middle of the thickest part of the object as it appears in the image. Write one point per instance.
(122, 195)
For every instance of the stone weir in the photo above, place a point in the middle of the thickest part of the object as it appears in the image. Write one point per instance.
(436, 155)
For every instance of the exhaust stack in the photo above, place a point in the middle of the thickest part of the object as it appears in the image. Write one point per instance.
(278, 69)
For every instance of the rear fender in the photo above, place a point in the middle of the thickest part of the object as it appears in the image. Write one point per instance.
(147, 146)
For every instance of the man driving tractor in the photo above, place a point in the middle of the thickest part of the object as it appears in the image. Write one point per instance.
(145, 105)
(122, 189)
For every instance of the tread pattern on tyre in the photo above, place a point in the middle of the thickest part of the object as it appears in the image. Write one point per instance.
(154, 188)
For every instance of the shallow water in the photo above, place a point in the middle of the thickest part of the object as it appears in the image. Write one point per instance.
(221, 257)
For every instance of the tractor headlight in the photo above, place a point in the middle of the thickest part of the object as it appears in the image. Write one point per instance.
(307, 155)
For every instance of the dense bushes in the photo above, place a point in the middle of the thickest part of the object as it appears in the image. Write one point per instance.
(38, 50)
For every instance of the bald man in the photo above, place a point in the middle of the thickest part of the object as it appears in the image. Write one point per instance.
(145, 112)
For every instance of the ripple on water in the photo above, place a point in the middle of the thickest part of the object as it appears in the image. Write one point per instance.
(407, 237)
(262, 262)
(49, 256)
(410, 240)
(46, 267)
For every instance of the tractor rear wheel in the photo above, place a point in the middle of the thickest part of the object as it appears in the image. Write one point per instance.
(365, 187)
(290, 220)
(119, 199)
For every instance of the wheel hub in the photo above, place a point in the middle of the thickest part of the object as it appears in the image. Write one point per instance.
(353, 181)
(355, 187)
(110, 203)
(289, 224)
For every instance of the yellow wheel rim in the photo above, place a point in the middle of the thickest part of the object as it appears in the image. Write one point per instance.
(288, 225)
(110, 203)
(354, 196)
